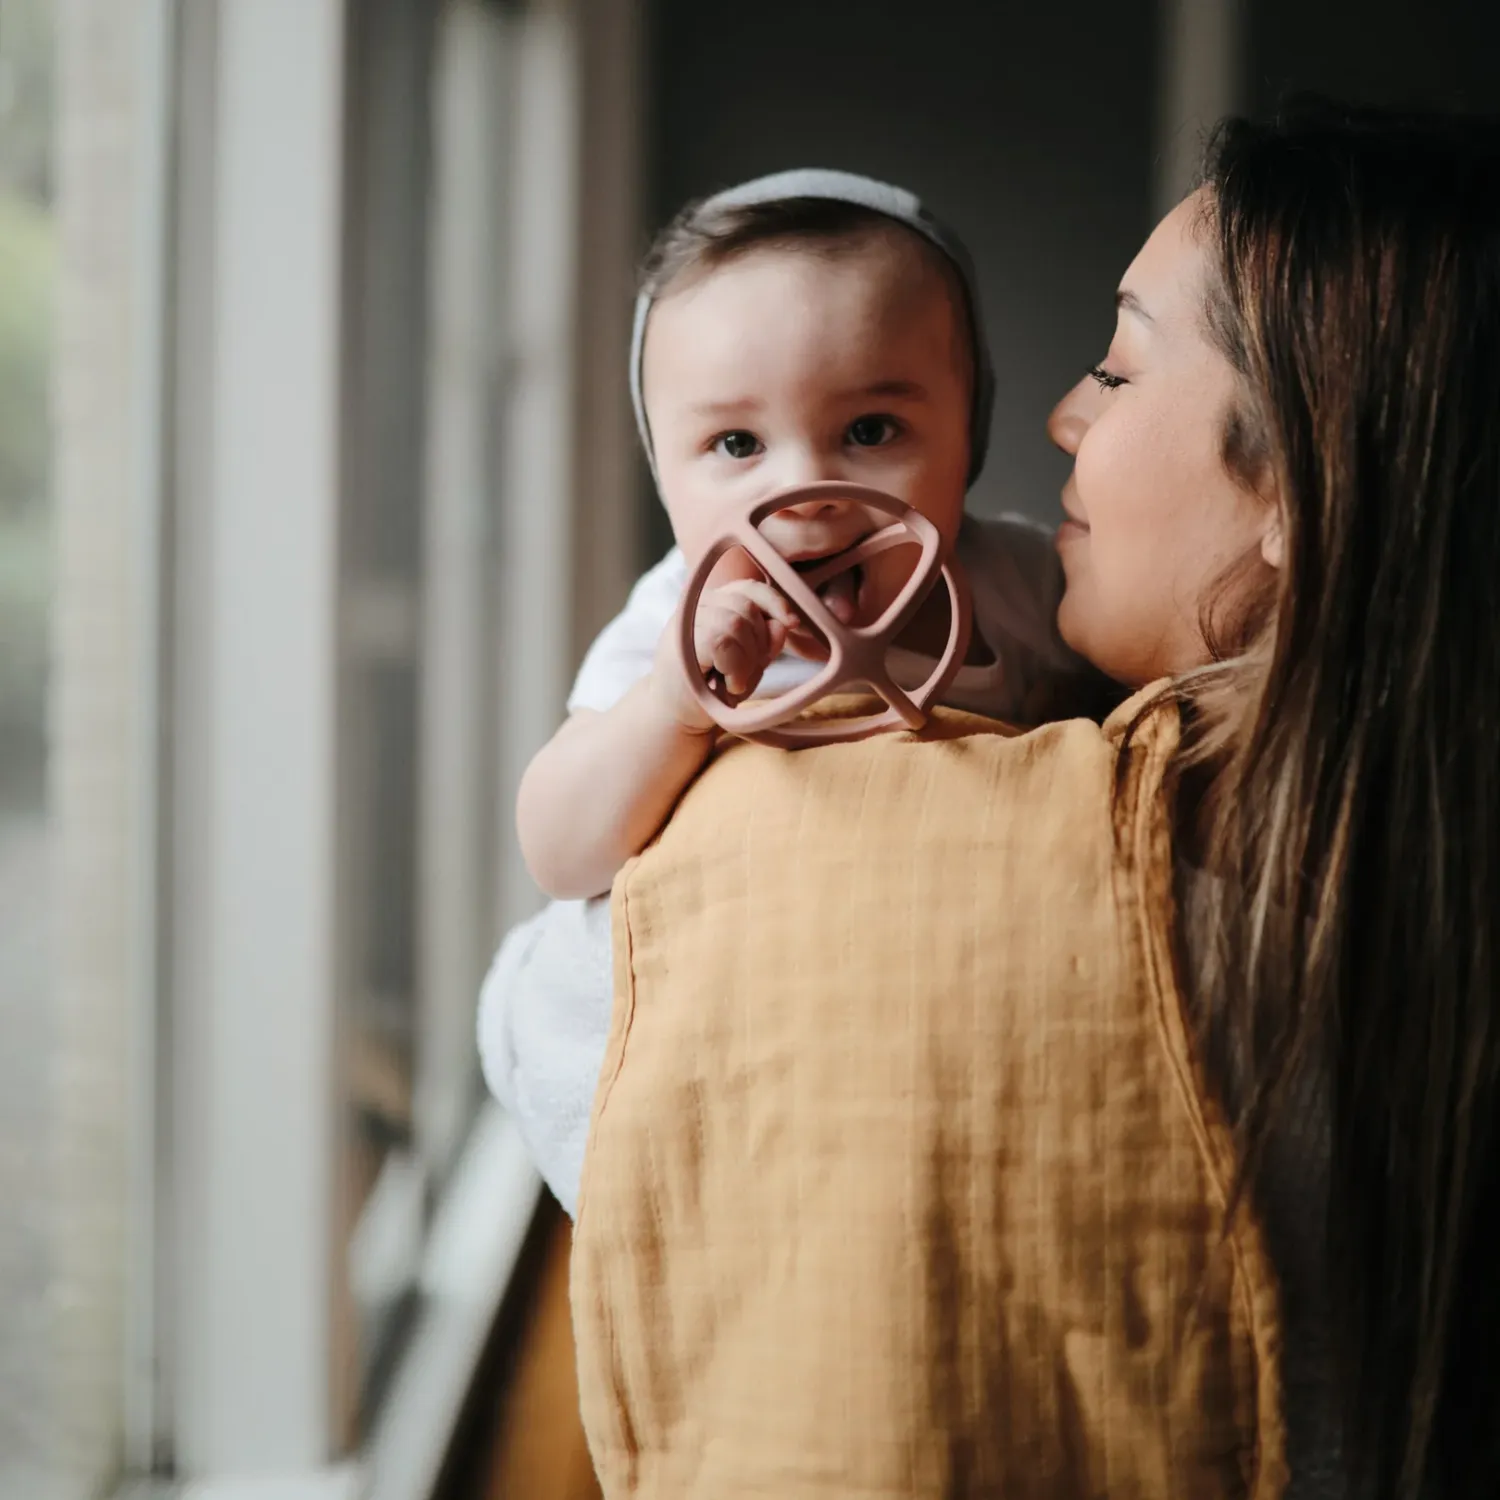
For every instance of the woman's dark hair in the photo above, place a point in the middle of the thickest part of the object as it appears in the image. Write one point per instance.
(1355, 805)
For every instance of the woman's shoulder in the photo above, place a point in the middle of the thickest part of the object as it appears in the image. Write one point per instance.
(965, 782)
(1144, 720)
(955, 738)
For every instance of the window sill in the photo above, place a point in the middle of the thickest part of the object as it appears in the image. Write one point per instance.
(471, 1254)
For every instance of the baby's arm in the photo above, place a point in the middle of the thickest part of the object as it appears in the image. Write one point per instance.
(599, 790)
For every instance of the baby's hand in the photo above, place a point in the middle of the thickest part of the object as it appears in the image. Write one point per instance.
(741, 628)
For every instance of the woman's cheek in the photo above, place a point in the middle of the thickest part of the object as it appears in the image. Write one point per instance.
(1102, 469)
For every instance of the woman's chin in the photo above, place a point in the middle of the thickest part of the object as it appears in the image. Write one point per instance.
(1070, 626)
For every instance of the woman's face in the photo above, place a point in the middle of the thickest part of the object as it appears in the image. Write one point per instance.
(1155, 522)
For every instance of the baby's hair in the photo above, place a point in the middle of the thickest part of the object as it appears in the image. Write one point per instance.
(705, 235)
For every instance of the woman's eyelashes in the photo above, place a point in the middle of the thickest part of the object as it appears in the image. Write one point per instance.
(1104, 380)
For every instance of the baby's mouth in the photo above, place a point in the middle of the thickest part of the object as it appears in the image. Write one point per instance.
(840, 594)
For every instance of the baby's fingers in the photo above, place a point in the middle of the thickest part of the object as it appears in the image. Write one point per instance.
(739, 667)
(729, 619)
(736, 640)
(771, 602)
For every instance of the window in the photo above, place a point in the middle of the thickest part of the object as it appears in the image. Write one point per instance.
(375, 378)
(30, 1455)
(276, 634)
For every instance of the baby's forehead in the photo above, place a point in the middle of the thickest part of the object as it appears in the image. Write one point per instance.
(886, 276)
(887, 256)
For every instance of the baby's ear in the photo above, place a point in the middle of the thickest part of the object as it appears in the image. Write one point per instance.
(1273, 543)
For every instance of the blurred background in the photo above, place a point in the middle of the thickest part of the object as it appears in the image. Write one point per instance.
(317, 474)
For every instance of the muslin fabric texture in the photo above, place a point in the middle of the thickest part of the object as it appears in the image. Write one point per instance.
(903, 1179)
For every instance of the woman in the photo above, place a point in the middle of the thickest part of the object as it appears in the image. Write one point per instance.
(1286, 502)
(1349, 332)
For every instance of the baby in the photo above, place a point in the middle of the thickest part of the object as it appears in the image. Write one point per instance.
(807, 326)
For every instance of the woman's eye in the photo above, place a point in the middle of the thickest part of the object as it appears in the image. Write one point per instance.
(871, 432)
(1104, 380)
(738, 444)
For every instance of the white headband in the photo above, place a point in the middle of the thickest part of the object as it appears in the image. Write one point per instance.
(882, 198)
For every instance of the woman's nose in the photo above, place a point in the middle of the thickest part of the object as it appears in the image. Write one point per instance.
(1069, 420)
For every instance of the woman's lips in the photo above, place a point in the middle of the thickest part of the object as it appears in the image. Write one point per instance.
(1073, 525)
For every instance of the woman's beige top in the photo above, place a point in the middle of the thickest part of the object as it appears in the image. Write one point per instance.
(902, 1179)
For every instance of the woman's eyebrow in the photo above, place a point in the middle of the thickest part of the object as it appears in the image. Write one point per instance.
(1128, 302)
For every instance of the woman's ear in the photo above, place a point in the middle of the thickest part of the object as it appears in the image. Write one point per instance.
(1272, 543)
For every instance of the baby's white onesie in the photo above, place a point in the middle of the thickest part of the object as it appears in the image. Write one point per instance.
(544, 1010)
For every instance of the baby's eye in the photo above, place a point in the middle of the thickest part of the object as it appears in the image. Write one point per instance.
(1104, 380)
(872, 431)
(738, 444)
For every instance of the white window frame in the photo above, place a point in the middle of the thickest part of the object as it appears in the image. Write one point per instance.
(253, 1063)
(232, 1369)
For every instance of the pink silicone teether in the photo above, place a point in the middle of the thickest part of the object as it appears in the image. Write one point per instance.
(856, 655)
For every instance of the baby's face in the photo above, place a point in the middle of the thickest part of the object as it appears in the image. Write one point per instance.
(790, 365)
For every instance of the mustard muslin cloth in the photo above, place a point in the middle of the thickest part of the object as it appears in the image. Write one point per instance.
(903, 1180)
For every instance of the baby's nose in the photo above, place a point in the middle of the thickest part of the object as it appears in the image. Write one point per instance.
(815, 508)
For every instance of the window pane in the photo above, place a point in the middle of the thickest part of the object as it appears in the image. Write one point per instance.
(381, 522)
(27, 1017)
(417, 761)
